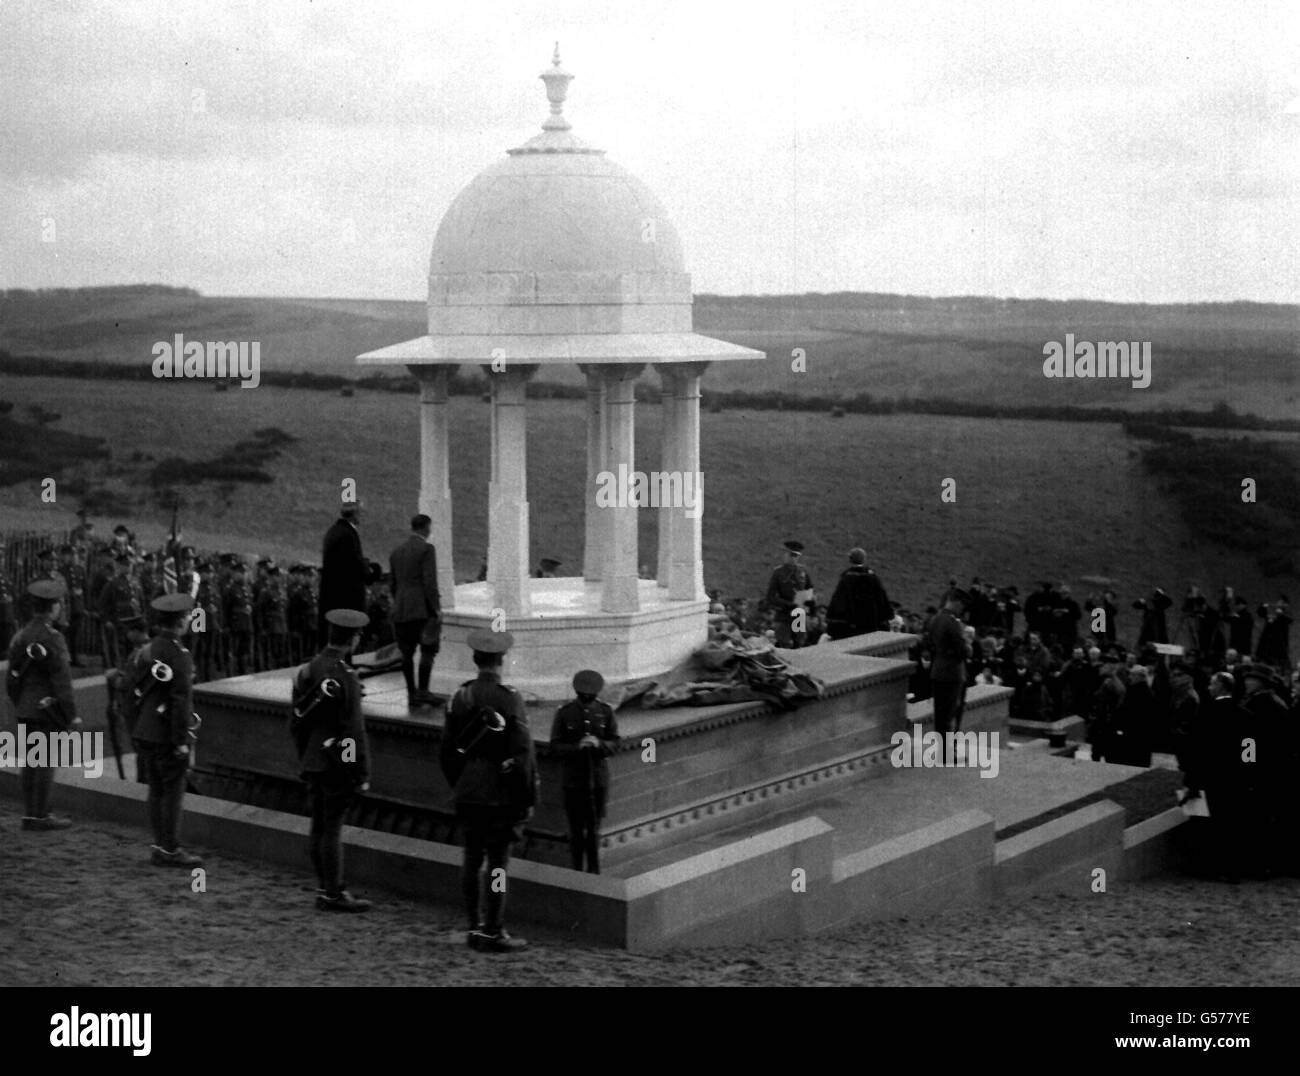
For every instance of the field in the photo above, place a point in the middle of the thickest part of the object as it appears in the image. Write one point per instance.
(968, 349)
(1034, 499)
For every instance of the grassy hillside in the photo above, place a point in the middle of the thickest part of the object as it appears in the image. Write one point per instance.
(1244, 354)
(1034, 499)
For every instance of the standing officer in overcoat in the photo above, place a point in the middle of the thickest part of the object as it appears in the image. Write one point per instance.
(488, 759)
(329, 732)
(583, 735)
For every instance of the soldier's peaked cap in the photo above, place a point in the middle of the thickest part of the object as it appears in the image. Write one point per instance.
(794, 547)
(347, 618)
(588, 682)
(172, 603)
(490, 642)
(45, 589)
(133, 622)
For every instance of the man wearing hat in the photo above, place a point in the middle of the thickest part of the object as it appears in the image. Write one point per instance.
(417, 607)
(583, 735)
(74, 574)
(119, 600)
(344, 568)
(1264, 701)
(949, 651)
(238, 617)
(40, 686)
(789, 589)
(487, 757)
(546, 568)
(271, 612)
(859, 604)
(329, 733)
(165, 725)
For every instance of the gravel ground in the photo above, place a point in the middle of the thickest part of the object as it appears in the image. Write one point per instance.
(83, 907)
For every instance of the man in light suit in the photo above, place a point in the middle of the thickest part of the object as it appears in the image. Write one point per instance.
(417, 610)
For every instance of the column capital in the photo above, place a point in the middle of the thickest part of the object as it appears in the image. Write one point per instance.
(434, 381)
(619, 371)
(675, 372)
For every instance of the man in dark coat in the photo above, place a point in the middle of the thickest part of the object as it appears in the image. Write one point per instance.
(583, 735)
(417, 609)
(1038, 609)
(859, 604)
(487, 757)
(39, 666)
(164, 726)
(1154, 629)
(344, 568)
(1133, 729)
(1276, 753)
(1222, 767)
(329, 733)
(949, 652)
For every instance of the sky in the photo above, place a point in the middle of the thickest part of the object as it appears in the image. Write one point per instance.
(1117, 151)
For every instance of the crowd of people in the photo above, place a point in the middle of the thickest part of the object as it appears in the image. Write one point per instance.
(258, 614)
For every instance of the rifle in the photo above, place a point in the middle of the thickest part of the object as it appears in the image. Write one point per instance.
(110, 718)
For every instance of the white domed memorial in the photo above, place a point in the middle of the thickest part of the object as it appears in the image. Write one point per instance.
(557, 255)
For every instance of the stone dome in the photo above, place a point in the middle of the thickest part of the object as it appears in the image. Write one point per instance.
(556, 238)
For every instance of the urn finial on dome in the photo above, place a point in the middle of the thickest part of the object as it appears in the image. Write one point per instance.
(557, 87)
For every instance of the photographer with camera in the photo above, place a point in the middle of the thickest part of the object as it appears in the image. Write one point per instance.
(330, 735)
(488, 759)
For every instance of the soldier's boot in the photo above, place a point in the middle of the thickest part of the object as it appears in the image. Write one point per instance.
(503, 942)
(343, 901)
(476, 938)
(160, 857)
(426, 671)
(49, 822)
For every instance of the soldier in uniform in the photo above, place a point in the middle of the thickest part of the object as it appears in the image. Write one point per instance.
(121, 707)
(238, 618)
(7, 625)
(330, 735)
(272, 619)
(207, 645)
(38, 669)
(75, 575)
(488, 760)
(790, 588)
(583, 735)
(165, 725)
(119, 600)
(151, 584)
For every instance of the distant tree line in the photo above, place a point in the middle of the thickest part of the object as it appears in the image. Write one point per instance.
(1220, 416)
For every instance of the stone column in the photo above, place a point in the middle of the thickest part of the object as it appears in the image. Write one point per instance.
(508, 492)
(668, 462)
(435, 470)
(686, 559)
(619, 589)
(596, 542)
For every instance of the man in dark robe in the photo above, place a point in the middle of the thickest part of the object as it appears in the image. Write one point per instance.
(344, 568)
(859, 604)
